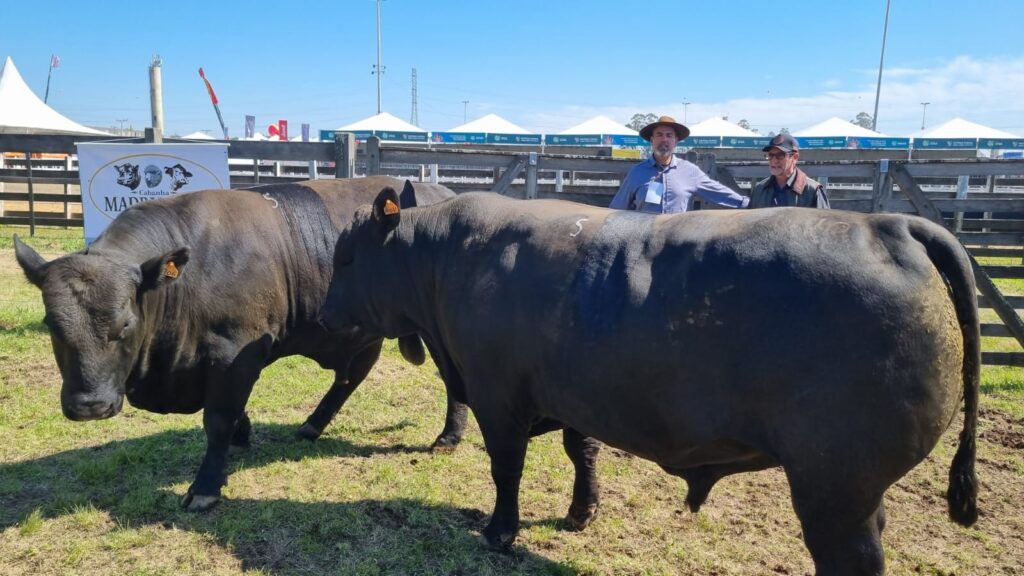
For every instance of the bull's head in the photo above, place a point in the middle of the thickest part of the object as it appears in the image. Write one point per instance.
(94, 316)
(366, 274)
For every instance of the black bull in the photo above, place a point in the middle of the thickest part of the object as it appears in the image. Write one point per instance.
(181, 302)
(836, 345)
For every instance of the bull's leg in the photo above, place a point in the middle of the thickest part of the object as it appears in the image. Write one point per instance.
(224, 408)
(455, 419)
(841, 526)
(339, 393)
(582, 450)
(242, 433)
(506, 445)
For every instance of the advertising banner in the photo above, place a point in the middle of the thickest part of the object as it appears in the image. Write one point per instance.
(877, 143)
(746, 141)
(529, 139)
(573, 139)
(821, 141)
(947, 143)
(1001, 143)
(116, 176)
(459, 137)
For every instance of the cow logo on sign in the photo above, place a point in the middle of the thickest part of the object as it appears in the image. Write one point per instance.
(179, 175)
(128, 175)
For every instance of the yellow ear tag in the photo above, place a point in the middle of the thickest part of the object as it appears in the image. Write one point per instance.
(170, 270)
(390, 208)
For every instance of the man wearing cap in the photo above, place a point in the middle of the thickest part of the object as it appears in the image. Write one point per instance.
(788, 185)
(664, 184)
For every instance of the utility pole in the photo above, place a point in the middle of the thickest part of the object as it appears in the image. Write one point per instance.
(685, 106)
(924, 108)
(465, 108)
(415, 121)
(881, 61)
(120, 130)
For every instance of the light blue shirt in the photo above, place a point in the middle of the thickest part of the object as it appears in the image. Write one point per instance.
(651, 187)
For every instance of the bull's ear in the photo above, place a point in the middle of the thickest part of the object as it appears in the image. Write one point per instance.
(164, 269)
(386, 211)
(408, 196)
(31, 262)
(411, 348)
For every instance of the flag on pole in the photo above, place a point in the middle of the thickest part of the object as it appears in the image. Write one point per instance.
(209, 87)
(305, 132)
(54, 61)
(250, 126)
(282, 125)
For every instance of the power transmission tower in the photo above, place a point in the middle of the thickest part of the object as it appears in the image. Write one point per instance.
(415, 120)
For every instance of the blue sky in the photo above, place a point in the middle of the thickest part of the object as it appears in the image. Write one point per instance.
(544, 65)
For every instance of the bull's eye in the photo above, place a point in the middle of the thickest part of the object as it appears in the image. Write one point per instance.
(120, 330)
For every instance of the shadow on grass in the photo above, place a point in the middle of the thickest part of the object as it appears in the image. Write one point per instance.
(130, 480)
(18, 328)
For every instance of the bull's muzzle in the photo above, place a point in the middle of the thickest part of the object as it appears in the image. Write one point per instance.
(84, 406)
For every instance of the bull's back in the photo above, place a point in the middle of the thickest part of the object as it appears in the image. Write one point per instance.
(748, 316)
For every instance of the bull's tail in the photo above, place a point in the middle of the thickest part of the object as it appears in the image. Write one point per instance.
(953, 262)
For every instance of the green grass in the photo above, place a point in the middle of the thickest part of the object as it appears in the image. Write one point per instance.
(367, 498)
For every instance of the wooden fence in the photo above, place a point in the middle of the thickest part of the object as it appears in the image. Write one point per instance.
(982, 201)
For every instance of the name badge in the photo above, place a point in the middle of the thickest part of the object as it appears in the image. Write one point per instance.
(655, 190)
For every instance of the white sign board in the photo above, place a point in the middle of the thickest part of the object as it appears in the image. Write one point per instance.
(116, 176)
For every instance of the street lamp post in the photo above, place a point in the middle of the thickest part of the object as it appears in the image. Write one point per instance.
(465, 108)
(881, 61)
(924, 108)
(685, 106)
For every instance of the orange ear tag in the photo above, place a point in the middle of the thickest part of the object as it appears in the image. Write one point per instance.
(390, 208)
(170, 270)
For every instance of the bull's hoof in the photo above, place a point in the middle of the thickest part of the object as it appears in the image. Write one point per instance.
(579, 518)
(445, 444)
(499, 542)
(308, 432)
(199, 502)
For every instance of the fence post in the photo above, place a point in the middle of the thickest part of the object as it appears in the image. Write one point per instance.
(373, 156)
(531, 176)
(67, 207)
(882, 192)
(559, 181)
(2, 166)
(31, 197)
(962, 183)
(435, 173)
(344, 155)
(256, 171)
(990, 187)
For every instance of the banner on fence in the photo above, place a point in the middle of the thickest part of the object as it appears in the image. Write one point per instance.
(1001, 143)
(458, 137)
(528, 139)
(116, 176)
(947, 143)
(873, 142)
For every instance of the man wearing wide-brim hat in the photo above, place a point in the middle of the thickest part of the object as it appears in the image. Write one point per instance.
(788, 185)
(665, 184)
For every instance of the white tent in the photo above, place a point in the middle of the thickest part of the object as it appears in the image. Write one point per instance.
(490, 124)
(22, 111)
(198, 136)
(836, 127)
(382, 121)
(716, 126)
(601, 125)
(960, 128)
